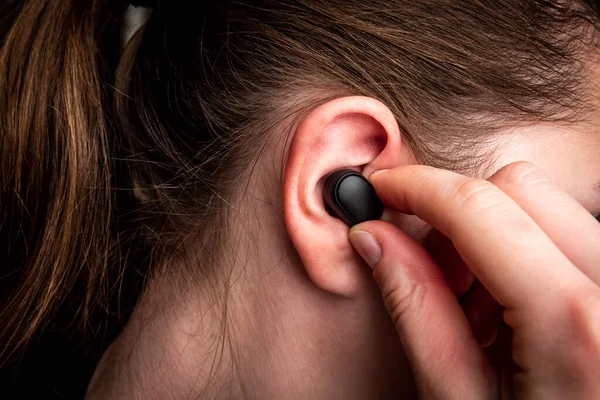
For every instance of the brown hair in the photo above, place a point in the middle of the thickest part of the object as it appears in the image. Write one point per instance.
(107, 170)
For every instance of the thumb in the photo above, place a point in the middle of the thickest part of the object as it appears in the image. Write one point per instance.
(444, 355)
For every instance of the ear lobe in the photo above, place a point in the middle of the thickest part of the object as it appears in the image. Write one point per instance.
(359, 133)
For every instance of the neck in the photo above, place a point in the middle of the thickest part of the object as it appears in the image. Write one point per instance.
(272, 335)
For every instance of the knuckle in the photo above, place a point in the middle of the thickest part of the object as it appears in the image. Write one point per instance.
(521, 173)
(403, 298)
(477, 194)
(584, 312)
(583, 322)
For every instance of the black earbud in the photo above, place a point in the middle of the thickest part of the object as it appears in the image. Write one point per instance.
(350, 197)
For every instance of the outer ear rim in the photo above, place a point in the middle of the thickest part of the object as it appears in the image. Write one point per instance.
(336, 268)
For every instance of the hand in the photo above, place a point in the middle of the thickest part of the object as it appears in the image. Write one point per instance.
(534, 249)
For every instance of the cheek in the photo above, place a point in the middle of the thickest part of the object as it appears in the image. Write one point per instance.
(568, 156)
(578, 181)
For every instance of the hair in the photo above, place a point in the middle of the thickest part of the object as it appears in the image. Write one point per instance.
(112, 163)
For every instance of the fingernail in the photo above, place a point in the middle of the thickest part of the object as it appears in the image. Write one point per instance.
(367, 246)
(381, 171)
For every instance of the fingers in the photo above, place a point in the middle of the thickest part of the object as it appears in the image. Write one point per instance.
(436, 335)
(457, 274)
(499, 353)
(570, 226)
(502, 245)
(483, 313)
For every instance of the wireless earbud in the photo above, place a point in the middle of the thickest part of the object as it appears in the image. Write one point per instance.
(350, 197)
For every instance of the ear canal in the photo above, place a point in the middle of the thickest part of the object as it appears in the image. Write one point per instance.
(350, 197)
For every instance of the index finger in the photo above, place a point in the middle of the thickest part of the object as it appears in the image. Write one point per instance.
(504, 248)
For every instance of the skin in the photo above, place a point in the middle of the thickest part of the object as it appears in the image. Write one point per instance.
(306, 318)
(550, 296)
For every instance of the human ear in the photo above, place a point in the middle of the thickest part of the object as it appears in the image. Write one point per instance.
(358, 133)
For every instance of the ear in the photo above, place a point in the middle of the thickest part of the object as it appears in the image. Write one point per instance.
(360, 133)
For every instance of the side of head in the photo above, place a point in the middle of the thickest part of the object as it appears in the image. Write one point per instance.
(351, 85)
(122, 166)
